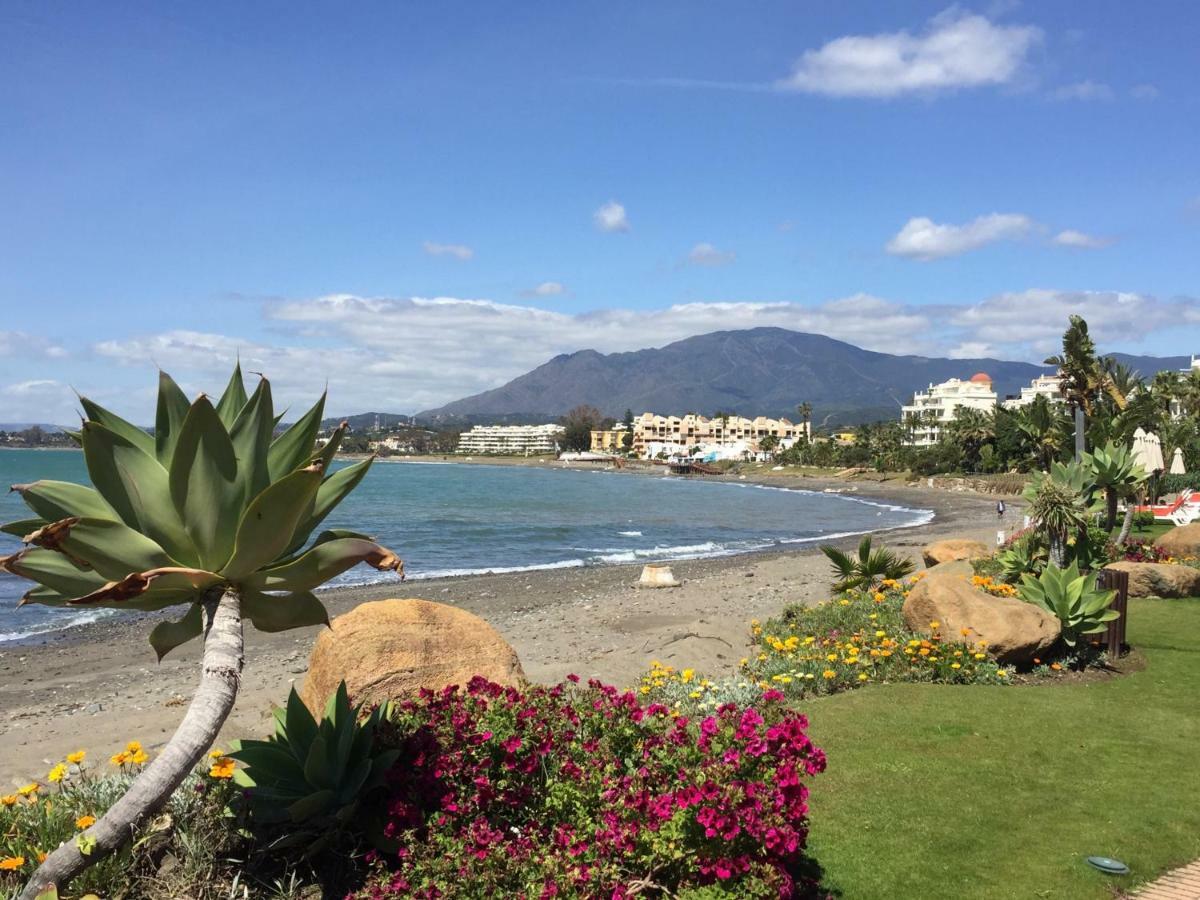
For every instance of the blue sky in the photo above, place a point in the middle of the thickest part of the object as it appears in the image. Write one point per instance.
(418, 202)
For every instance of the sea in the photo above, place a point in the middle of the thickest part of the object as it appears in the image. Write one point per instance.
(453, 519)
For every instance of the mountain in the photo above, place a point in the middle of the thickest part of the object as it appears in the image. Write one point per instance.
(759, 371)
(25, 426)
(368, 421)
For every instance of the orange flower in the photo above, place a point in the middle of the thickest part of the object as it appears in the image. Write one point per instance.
(85, 821)
(11, 863)
(222, 768)
(77, 757)
(1055, 666)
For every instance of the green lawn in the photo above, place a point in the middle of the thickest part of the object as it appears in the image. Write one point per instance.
(943, 791)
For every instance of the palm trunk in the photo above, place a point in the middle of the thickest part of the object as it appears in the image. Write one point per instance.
(221, 669)
(1110, 514)
(1058, 552)
(1127, 523)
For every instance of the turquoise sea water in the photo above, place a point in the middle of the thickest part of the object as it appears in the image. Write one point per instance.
(448, 519)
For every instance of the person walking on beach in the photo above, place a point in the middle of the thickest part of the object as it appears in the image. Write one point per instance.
(1000, 508)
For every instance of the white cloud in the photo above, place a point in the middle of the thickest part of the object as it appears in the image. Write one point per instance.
(611, 217)
(20, 344)
(547, 289)
(956, 50)
(1144, 92)
(458, 251)
(705, 254)
(1083, 90)
(409, 354)
(1077, 239)
(922, 238)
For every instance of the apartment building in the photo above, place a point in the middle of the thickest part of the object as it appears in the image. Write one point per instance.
(934, 408)
(518, 440)
(680, 434)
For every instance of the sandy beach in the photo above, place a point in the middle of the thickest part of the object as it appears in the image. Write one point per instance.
(98, 686)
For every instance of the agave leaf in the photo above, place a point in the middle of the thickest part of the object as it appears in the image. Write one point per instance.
(166, 636)
(301, 726)
(270, 520)
(44, 596)
(167, 586)
(380, 766)
(312, 805)
(114, 423)
(52, 570)
(54, 500)
(316, 767)
(333, 491)
(330, 448)
(113, 549)
(22, 527)
(271, 612)
(355, 778)
(251, 435)
(204, 484)
(323, 562)
(267, 758)
(168, 418)
(295, 447)
(233, 398)
(138, 488)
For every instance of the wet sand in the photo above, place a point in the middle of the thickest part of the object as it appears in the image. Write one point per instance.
(98, 686)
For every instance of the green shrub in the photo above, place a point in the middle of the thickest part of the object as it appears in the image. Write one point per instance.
(1073, 598)
(310, 776)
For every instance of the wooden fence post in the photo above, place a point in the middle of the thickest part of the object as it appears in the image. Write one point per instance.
(1112, 580)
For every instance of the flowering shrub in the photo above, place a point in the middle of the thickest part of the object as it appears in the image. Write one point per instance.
(990, 585)
(1140, 552)
(858, 638)
(36, 818)
(583, 791)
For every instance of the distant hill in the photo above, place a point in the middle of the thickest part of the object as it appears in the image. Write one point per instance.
(367, 421)
(25, 426)
(759, 371)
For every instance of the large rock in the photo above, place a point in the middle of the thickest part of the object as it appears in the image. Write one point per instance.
(1015, 631)
(390, 649)
(953, 549)
(960, 567)
(1148, 579)
(1181, 541)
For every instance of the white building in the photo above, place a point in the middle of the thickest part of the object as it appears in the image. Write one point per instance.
(654, 435)
(932, 409)
(520, 440)
(1048, 386)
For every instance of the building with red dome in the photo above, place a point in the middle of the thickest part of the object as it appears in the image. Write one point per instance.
(932, 409)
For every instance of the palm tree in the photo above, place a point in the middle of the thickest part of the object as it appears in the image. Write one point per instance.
(804, 411)
(209, 513)
(1060, 503)
(1046, 429)
(868, 568)
(1084, 377)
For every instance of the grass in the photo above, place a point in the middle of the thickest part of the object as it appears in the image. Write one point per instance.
(999, 792)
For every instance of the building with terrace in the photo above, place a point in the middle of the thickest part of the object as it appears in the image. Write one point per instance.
(933, 409)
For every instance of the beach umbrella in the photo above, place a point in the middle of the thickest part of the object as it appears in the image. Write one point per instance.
(1154, 451)
(1141, 450)
(1177, 466)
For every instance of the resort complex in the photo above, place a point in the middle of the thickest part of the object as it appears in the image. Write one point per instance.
(718, 437)
(934, 408)
(516, 440)
(1048, 386)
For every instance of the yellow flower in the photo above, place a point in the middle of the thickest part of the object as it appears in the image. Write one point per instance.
(831, 656)
(935, 624)
(9, 800)
(133, 747)
(119, 759)
(77, 757)
(880, 634)
(11, 863)
(980, 656)
(687, 675)
(223, 767)
(58, 773)
(85, 821)
(863, 677)
(140, 757)
(955, 666)
(29, 790)
(829, 673)
(844, 602)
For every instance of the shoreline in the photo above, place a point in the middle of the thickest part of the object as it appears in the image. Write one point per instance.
(97, 685)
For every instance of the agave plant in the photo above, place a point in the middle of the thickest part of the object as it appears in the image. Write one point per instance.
(1117, 473)
(866, 569)
(1060, 502)
(1074, 599)
(213, 513)
(312, 775)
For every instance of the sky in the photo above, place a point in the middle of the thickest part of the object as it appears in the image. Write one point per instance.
(411, 203)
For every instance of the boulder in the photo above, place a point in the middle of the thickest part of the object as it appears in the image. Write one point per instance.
(1015, 631)
(1181, 541)
(1148, 579)
(952, 549)
(390, 649)
(960, 567)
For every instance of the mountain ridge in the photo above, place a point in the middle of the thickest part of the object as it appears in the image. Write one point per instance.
(758, 371)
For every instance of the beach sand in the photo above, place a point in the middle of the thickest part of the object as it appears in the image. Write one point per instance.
(98, 686)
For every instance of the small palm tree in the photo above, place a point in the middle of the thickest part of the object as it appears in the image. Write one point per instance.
(868, 568)
(212, 513)
(1115, 472)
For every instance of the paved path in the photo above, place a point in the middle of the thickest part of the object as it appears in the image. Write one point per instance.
(1181, 884)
